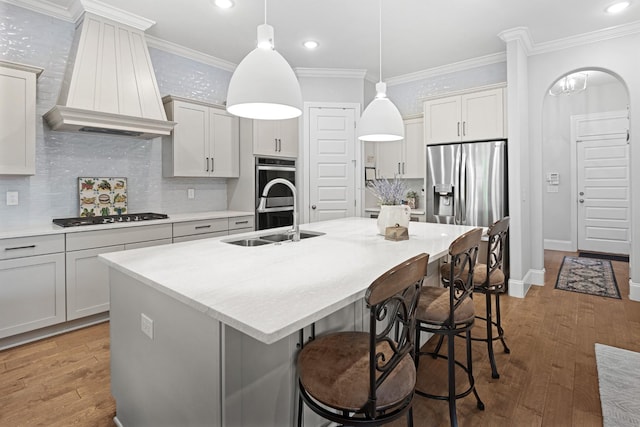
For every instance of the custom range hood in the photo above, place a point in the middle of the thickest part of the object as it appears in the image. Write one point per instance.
(109, 85)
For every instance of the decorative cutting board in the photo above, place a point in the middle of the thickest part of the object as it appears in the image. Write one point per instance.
(102, 196)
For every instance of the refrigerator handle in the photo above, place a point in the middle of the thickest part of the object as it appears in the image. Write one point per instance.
(462, 184)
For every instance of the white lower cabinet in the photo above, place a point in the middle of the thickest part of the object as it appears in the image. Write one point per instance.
(87, 276)
(207, 228)
(32, 293)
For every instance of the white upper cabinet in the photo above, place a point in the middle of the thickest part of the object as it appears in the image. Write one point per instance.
(276, 138)
(467, 117)
(205, 141)
(402, 158)
(18, 118)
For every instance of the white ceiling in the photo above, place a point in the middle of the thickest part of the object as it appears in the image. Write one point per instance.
(417, 34)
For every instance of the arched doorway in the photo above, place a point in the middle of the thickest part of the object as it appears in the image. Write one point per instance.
(592, 120)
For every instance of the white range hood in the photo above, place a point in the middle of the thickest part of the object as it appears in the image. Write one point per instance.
(109, 85)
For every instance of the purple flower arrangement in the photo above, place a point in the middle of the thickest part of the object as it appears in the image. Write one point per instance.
(388, 192)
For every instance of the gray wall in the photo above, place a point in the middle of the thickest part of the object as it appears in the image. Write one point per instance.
(61, 157)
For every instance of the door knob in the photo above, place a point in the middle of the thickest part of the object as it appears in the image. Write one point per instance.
(582, 193)
(581, 200)
(313, 206)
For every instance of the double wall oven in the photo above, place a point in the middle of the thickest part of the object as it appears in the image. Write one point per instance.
(279, 204)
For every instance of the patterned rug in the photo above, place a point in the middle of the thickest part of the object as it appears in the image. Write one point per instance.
(619, 384)
(588, 276)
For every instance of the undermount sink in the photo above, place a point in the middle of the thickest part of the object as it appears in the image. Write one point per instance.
(249, 242)
(272, 238)
(283, 237)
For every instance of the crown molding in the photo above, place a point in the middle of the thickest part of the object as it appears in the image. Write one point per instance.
(521, 35)
(447, 69)
(70, 14)
(338, 73)
(188, 53)
(118, 15)
(587, 38)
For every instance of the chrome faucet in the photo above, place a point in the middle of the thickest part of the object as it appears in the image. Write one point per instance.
(295, 230)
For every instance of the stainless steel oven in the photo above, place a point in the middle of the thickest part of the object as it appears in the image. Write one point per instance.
(279, 204)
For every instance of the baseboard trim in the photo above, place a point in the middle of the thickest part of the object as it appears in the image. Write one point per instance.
(49, 331)
(559, 245)
(634, 291)
(519, 288)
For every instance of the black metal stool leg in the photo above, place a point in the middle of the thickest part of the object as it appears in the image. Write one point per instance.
(472, 381)
(492, 359)
(451, 366)
(499, 324)
(300, 413)
(410, 417)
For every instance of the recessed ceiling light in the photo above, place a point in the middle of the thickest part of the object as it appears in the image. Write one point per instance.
(617, 7)
(311, 44)
(223, 4)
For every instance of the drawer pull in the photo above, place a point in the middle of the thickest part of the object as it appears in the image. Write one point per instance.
(242, 222)
(20, 247)
(198, 227)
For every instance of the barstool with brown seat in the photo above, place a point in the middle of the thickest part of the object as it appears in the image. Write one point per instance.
(448, 311)
(491, 280)
(368, 378)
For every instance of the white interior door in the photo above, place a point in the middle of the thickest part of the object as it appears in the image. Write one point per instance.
(332, 163)
(603, 195)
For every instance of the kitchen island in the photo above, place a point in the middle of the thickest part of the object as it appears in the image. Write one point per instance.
(206, 332)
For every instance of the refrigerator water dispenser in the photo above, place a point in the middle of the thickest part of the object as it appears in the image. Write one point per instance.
(443, 203)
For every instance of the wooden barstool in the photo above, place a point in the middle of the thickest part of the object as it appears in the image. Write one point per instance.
(490, 279)
(368, 378)
(448, 311)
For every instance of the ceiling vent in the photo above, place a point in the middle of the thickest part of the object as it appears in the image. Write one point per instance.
(109, 85)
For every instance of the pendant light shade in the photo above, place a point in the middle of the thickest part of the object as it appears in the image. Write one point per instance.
(381, 120)
(263, 86)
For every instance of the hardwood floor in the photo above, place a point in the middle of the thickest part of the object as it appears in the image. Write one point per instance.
(549, 379)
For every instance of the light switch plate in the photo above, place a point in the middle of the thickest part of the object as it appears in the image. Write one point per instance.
(191, 193)
(12, 198)
(146, 325)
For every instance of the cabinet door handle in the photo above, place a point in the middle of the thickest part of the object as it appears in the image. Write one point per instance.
(20, 247)
(399, 168)
(242, 222)
(458, 128)
(213, 162)
(403, 168)
(279, 145)
(464, 128)
(276, 141)
(206, 164)
(199, 227)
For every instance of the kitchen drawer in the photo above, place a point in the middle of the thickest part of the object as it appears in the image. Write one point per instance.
(19, 247)
(189, 228)
(117, 236)
(198, 236)
(242, 222)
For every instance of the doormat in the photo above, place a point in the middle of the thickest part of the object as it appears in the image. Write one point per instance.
(623, 258)
(588, 276)
(619, 384)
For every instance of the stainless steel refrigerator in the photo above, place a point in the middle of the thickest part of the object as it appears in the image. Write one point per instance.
(466, 183)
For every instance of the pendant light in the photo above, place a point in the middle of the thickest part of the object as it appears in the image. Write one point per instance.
(263, 86)
(381, 120)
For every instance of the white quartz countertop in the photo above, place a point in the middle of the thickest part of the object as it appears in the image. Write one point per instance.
(50, 228)
(271, 291)
(413, 211)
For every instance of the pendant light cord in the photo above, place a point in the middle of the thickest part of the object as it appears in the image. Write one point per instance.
(379, 35)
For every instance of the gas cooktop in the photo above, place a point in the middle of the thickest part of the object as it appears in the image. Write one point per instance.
(107, 219)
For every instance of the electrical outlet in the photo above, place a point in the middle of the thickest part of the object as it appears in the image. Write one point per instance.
(12, 198)
(146, 325)
(191, 193)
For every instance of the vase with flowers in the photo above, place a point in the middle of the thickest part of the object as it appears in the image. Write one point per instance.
(390, 194)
